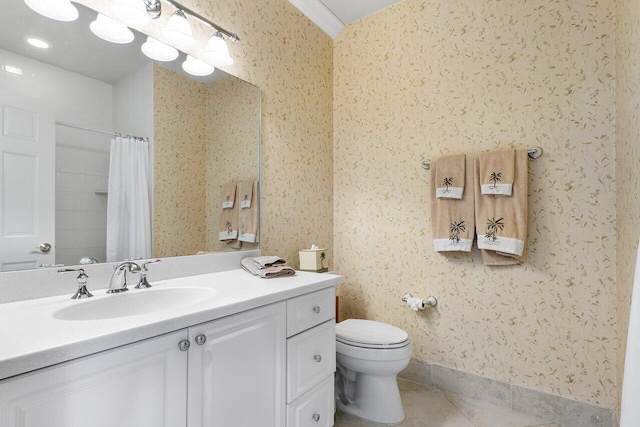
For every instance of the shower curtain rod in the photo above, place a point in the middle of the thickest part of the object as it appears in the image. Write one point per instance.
(100, 131)
(533, 152)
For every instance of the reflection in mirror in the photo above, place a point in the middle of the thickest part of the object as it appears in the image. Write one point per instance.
(61, 109)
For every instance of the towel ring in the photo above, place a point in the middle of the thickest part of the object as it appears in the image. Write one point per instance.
(533, 153)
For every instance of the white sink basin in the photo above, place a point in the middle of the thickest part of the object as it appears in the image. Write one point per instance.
(134, 303)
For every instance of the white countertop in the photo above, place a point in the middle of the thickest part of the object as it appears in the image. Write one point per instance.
(31, 338)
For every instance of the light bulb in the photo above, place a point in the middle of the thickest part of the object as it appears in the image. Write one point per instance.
(60, 10)
(196, 67)
(111, 30)
(159, 51)
(178, 31)
(131, 13)
(217, 52)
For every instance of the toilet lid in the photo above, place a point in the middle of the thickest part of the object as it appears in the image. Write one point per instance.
(370, 334)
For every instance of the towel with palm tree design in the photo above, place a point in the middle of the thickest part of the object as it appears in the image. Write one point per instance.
(449, 172)
(497, 172)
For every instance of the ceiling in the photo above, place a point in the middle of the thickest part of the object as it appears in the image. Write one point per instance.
(332, 15)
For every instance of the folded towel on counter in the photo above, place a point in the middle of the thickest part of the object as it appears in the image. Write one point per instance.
(496, 172)
(269, 261)
(453, 220)
(501, 222)
(279, 270)
(248, 220)
(228, 229)
(449, 174)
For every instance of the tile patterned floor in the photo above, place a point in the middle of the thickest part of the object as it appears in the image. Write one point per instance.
(430, 407)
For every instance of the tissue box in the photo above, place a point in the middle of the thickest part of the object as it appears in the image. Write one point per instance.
(313, 260)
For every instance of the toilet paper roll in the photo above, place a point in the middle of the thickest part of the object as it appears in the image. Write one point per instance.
(415, 304)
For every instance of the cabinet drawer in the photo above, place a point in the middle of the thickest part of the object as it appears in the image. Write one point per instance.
(309, 310)
(315, 408)
(311, 356)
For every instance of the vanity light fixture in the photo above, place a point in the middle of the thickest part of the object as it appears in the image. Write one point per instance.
(36, 42)
(217, 52)
(60, 10)
(132, 13)
(197, 67)
(16, 71)
(178, 31)
(111, 30)
(159, 51)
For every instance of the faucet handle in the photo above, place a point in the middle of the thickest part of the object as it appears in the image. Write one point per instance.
(82, 291)
(144, 266)
(143, 282)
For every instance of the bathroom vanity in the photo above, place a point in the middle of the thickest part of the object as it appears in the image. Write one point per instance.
(232, 350)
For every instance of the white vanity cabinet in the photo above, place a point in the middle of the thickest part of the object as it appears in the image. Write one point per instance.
(311, 359)
(253, 366)
(237, 368)
(142, 384)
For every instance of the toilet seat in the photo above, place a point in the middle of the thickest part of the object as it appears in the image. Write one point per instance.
(370, 334)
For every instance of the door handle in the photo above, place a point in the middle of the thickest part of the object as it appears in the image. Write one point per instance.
(45, 248)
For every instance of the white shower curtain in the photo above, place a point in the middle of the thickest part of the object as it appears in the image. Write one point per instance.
(129, 200)
(630, 412)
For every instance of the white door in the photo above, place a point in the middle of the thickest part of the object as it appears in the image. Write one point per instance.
(139, 385)
(27, 182)
(237, 376)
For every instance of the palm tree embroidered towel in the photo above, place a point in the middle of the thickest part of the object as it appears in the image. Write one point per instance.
(229, 217)
(501, 222)
(248, 221)
(496, 172)
(452, 220)
(449, 176)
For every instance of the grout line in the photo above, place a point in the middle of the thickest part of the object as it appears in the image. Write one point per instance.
(457, 409)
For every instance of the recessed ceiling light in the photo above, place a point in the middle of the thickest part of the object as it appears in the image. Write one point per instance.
(39, 43)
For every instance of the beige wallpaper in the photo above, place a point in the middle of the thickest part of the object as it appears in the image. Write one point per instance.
(180, 112)
(627, 160)
(427, 78)
(232, 146)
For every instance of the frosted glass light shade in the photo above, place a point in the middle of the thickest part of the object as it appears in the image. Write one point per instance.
(111, 30)
(159, 51)
(60, 10)
(83, 1)
(131, 13)
(178, 31)
(196, 67)
(217, 52)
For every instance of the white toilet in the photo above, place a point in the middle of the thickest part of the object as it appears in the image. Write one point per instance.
(369, 356)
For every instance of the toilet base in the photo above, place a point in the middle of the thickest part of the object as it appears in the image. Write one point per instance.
(377, 399)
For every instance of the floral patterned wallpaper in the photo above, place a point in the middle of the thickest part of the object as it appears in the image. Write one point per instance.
(232, 146)
(627, 160)
(179, 208)
(426, 78)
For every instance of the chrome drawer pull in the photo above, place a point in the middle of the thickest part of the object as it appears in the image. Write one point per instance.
(316, 309)
(317, 358)
(184, 345)
(316, 417)
(201, 339)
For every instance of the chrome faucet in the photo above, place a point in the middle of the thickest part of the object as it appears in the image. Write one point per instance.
(118, 281)
(143, 282)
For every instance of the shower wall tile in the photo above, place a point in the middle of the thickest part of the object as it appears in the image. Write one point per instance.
(627, 161)
(427, 78)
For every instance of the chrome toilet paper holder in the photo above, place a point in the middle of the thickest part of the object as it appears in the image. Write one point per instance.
(417, 303)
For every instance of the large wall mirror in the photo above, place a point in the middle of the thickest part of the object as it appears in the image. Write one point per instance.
(75, 116)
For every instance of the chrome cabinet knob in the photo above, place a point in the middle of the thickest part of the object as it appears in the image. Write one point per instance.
(316, 309)
(316, 417)
(45, 248)
(201, 339)
(317, 358)
(184, 345)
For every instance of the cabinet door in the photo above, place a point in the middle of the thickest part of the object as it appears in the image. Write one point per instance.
(237, 377)
(142, 384)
